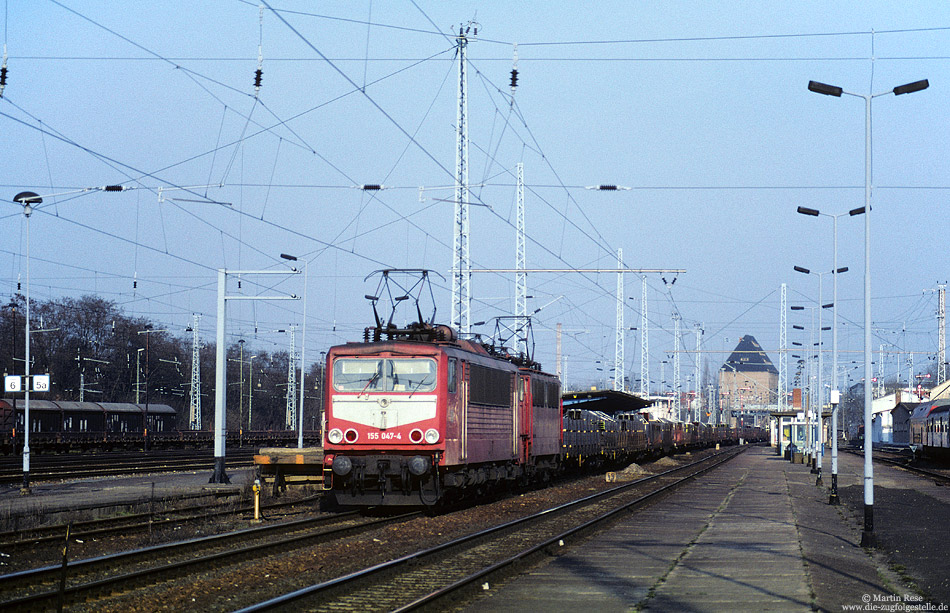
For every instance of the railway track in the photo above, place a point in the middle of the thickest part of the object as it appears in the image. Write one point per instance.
(130, 524)
(86, 580)
(433, 578)
(56, 468)
(901, 459)
(942, 477)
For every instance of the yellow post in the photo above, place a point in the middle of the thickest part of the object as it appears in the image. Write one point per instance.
(257, 501)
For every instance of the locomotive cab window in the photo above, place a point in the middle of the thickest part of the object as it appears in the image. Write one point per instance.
(384, 375)
(452, 374)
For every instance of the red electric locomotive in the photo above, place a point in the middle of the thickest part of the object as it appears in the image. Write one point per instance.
(417, 416)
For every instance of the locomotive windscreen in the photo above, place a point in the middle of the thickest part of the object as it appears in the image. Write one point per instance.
(384, 375)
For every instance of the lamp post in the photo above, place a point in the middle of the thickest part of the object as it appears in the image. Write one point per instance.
(834, 341)
(27, 199)
(241, 395)
(303, 341)
(250, 394)
(250, 391)
(867, 536)
(820, 447)
(147, 332)
(812, 376)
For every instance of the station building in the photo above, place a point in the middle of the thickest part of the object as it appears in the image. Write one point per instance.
(748, 382)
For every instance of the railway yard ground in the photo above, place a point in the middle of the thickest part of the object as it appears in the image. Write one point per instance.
(754, 533)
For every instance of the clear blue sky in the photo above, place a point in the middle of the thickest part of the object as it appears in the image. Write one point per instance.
(700, 108)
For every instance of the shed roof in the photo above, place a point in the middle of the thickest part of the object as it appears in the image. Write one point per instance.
(608, 401)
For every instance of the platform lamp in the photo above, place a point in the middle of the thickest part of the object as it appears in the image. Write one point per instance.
(867, 536)
(27, 199)
(819, 452)
(834, 340)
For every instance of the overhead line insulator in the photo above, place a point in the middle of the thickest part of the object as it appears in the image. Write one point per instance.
(258, 76)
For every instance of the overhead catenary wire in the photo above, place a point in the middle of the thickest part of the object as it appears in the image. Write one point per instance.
(270, 185)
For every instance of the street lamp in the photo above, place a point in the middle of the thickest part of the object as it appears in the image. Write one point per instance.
(147, 332)
(834, 341)
(867, 536)
(303, 340)
(27, 199)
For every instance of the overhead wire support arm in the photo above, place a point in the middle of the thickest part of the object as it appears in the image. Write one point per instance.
(220, 393)
(514, 75)
(584, 270)
(259, 73)
(3, 71)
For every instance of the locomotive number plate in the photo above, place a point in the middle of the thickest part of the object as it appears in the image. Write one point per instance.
(383, 436)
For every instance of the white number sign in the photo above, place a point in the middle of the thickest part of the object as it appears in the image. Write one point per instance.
(40, 383)
(12, 383)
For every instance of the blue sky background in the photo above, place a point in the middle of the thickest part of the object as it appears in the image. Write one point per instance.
(700, 108)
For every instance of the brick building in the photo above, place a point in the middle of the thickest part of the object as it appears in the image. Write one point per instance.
(748, 381)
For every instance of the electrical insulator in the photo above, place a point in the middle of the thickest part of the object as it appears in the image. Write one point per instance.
(607, 188)
(372, 187)
(258, 75)
(514, 78)
(114, 188)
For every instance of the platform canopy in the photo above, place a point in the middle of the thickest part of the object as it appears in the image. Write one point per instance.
(606, 401)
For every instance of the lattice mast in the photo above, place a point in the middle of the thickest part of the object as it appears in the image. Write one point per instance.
(461, 263)
(194, 404)
(619, 370)
(880, 374)
(291, 414)
(644, 342)
(521, 277)
(676, 366)
(783, 350)
(941, 333)
(698, 394)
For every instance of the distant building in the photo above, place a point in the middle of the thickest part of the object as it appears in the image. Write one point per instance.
(748, 381)
(891, 415)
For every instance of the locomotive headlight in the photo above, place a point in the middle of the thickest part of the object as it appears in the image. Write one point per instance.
(342, 465)
(335, 436)
(417, 466)
(432, 436)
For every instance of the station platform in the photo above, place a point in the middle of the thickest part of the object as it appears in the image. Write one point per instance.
(51, 500)
(756, 534)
